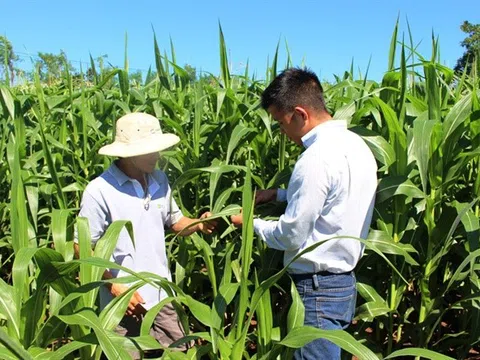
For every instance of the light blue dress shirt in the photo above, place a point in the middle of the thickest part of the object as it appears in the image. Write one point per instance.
(331, 193)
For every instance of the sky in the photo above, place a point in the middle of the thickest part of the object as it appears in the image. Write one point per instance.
(326, 36)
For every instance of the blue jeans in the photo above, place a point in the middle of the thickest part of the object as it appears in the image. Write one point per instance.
(329, 301)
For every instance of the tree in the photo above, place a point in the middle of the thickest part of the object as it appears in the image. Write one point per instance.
(472, 48)
(192, 73)
(7, 59)
(50, 66)
(135, 76)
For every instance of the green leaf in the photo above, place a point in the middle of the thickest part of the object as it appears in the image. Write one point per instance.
(50, 274)
(447, 243)
(368, 293)
(424, 353)
(224, 69)
(266, 121)
(113, 313)
(345, 112)
(7, 101)
(88, 318)
(371, 310)
(393, 47)
(63, 352)
(301, 336)
(214, 178)
(59, 233)
(38, 353)
(9, 310)
(432, 91)
(246, 250)
(225, 295)
(296, 313)
(145, 342)
(238, 133)
(222, 199)
(191, 174)
(149, 318)
(397, 185)
(396, 136)
(264, 316)
(33, 309)
(13, 346)
(422, 133)
(51, 330)
(49, 158)
(20, 274)
(7, 355)
(104, 249)
(201, 311)
(18, 214)
(457, 274)
(471, 224)
(383, 242)
(456, 116)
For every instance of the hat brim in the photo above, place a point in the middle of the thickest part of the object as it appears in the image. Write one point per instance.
(152, 144)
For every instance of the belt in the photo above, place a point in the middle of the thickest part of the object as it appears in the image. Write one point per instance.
(300, 277)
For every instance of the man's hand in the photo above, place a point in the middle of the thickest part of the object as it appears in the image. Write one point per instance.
(135, 307)
(207, 227)
(185, 226)
(265, 196)
(237, 220)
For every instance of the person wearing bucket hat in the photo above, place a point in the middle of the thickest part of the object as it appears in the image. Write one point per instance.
(132, 189)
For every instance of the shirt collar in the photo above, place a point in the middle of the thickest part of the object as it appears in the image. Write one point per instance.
(122, 178)
(309, 138)
(118, 174)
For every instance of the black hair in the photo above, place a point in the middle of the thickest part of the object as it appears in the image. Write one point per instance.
(294, 87)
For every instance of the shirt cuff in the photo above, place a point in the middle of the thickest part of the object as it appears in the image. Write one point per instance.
(261, 227)
(257, 226)
(265, 230)
(281, 195)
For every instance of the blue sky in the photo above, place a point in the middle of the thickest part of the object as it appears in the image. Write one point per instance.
(324, 35)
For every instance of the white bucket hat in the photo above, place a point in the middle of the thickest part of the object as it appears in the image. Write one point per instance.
(138, 134)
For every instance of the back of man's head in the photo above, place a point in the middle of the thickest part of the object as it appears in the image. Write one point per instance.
(294, 87)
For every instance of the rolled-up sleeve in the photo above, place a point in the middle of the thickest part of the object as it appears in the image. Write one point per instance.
(307, 192)
(174, 214)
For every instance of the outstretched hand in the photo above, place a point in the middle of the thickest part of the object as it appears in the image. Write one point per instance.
(237, 220)
(207, 227)
(261, 197)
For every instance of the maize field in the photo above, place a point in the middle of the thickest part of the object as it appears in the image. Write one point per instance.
(418, 285)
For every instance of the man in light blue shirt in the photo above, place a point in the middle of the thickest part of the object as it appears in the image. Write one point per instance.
(331, 194)
(132, 189)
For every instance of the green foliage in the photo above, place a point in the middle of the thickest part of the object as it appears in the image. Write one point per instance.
(51, 67)
(418, 281)
(8, 59)
(471, 43)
